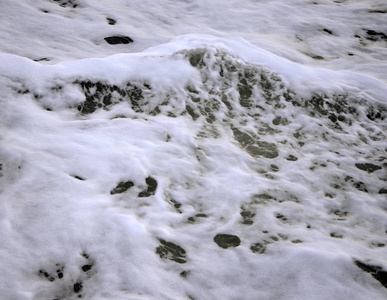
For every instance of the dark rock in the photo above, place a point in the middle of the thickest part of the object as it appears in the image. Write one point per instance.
(48, 276)
(42, 59)
(318, 57)
(377, 11)
(336, 235)
(111, 21)
(59, 271)
(265, 149)
(370, 168)
(122, 187)
(227, 240)
(77, 287)
(171, 251)
(280, 120)
(151, 190)
(327, 31)
(377, 272)
(201, 215)
(191, 220)
(184, 274)
(376, 113)
(258, 248)
(86, 268)
(243, 138)
(281, 217)
(374, 36)
(360, 186)
(118, 39)
(66, 3)
(292, 158)
(296, 241)
(383, 191)
(196, 57)
(245, 92)
(333, 118)
(277, 121)
(99, 95)
(247, 215)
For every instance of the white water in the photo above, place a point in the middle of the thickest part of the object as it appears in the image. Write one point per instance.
(239, 140)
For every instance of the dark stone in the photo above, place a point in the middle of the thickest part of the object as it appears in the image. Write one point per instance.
(192, 112)
(360, 186)
(119, 39)
(341, 118)
(265, 149)
(333, 118)
(196, 57)
(77, 287)
(247, 215)
(111, 21)
(377, 272)
(66, 3)
(86, 268)
(227, 240)
(122, 187)
(89, 106)
(243, 138)
(296, 241)
(201, 216)
(59, 271)
(370, 168)
(151, 190)
(42, 59)
(374, 36)
(318, 57)
(375, 113)
(277, 121)
(258, 248)
(184, 274)
(327, 31)
(336, 235)
(376, 11)
(44, 273)
(383, 191)
(171, 251)
(281, 217)
(191, 220)
(245, 92)
(292, 158)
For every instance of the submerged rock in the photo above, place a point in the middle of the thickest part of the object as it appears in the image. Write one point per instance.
(227, 240)
(118, 39)
(122, 187)
(111, 21)
(377, 272)
(370, 168)
(151, 190)
(171, 251)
